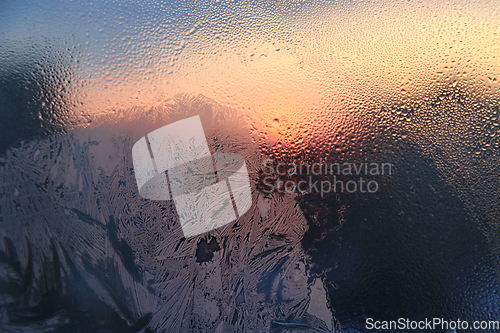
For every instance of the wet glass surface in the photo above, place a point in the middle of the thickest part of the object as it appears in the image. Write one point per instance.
(411, 87)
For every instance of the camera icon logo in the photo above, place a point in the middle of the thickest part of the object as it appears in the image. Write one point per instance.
(174, 163)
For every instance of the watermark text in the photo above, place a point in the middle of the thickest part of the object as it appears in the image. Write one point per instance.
(323, 177)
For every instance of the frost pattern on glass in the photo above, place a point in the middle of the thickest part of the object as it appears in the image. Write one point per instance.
(415, 84)
(89, 235)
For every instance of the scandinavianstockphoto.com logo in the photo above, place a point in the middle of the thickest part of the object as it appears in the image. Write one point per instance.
(211, 190)
(174, 163)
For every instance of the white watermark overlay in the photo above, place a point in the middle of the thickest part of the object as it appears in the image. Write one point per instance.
(174, 163)
(431, 324)
(323, 177)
